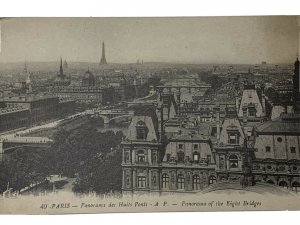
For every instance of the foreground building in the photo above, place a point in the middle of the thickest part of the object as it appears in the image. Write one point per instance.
(168, 149)
(277, 155)
(142, 152)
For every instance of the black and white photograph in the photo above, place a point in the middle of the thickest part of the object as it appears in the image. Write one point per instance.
(142, 114)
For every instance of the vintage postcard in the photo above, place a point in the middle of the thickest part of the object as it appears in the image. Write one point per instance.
(149, 114)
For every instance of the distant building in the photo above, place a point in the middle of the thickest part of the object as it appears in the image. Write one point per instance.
(27, 110)
(103, 57)
(13, 118)
(296, 86)
(61, 78)
(88, 79)
(251, 104)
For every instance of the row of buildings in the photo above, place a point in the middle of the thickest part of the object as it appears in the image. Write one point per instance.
(171, 149)
(27, 110)
(96, 90)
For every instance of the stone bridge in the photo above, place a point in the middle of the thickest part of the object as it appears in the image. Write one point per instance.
(111, 115)
(177, 87)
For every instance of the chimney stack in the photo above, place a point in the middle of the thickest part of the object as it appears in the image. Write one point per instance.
(218, 122)
(244, 114)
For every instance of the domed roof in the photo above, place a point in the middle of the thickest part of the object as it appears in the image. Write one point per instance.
(88, 74)
(88, 79)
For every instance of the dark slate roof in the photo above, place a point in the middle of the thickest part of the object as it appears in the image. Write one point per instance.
(287, 124)
(186, 137)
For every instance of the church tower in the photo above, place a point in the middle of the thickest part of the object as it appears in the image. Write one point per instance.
(103, 59)
(28, 79)
(61, 70)
(296, 86)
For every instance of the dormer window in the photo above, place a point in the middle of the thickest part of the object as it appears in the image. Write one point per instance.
(252, 112)
(233, 138)
(196, 157)
(180, 146)
(141, 131)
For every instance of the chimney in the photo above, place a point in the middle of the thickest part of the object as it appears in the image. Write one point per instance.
(263, 101)
(244, 114)
(237, 101)
(218, 122)
(160, 108)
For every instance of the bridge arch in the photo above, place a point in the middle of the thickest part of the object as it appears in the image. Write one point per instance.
(128, 117)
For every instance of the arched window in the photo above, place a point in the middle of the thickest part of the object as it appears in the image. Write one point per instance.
(283, 184)
(196, 182)
(270, 182)
(141, 130)
(233, 161)
(212, 180)
(180, 181)
(141, 156)
(295, 186)
(165, 180)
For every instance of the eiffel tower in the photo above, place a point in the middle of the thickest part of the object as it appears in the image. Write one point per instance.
(103, 59)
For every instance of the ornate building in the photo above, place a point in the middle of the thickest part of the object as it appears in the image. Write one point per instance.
(188, 164)
(88, 79)
(277, 157)
(142, 153)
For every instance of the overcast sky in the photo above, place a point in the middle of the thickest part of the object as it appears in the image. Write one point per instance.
(190, 40)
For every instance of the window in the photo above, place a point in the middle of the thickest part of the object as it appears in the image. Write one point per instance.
(268, 149)
(141, 131)
(281, 168)
(195, 146)
(293, 150)
(154, 157)
(233, 138)
(222, 163)
(212, 180)
(180, 156)
(208, 158)
(196, 182)
(196, 157)
(283, 184)
(127, 159)
(180, 181)
(165, 180)
(180, 146)
(269, 167)
(168, 157)
(141, 156)
(141, 182)
(252, 112)
(279, 139)
(127, 180)
(233, 161)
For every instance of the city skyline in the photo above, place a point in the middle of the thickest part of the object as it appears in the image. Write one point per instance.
(202, 40)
